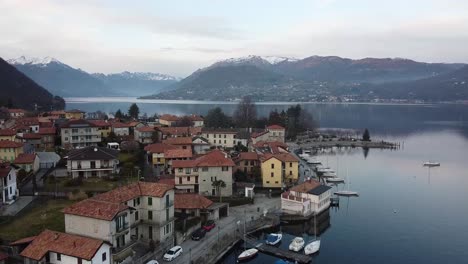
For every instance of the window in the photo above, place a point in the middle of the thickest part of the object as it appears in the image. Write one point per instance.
(290, 164)
(59, 256)
(188, 170)
(150, 232)
(150, 215)
(215, 141)
(246, 163)
(167, 214)
(290, 172)
(180, 180)
(104, 256)
(251, 163)
(167, 201)
(225, 168)
(214, 135)
(224, 141)
(136, 216)
(272, 174)
(188, 178)
(276, 181)
(150, 201)
(225, 137)
(268, 181)
(138, 200)
(195, 169)
(272, 166)
(181, 170)
(205, 169)
(196, 179)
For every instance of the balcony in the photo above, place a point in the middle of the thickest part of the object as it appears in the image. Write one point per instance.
(293, 198)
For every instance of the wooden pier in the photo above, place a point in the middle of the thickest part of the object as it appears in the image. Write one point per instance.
(278, 252)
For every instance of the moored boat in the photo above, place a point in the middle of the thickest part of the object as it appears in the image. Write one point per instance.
(335, 180)
(346, 193)
(312, 247)
(297, 244)
(247, 254)
(273, 239)
(431, 164)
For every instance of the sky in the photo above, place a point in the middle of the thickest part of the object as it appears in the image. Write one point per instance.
(178, 37)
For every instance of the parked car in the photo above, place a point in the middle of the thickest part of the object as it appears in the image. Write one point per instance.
(198, 234)
(210, 224)
(152, 262)
(172, 253)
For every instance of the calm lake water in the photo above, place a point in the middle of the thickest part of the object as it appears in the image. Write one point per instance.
(405, 213)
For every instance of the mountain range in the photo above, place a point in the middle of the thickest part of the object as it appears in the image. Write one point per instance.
(19, 91)
(314, 78)
(64, 80)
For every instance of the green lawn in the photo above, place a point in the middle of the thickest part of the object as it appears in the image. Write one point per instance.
(88, 185)
(31, 222)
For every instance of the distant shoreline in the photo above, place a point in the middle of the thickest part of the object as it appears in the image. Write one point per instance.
(117, 99)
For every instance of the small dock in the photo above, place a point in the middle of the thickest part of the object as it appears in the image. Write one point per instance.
(335, 201)
(278, 252)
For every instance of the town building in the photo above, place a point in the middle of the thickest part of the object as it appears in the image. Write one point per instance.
(74, 114)
(171, 155)
(16, 112)
(192, 204)
(144, 134)
(92, 161)
(279, 170)
(155, 155)
(47, 137)
(54, 247)
(306, 199)
(168, 120)
(29, 162)
(271, 133)
(138, 212)
(121, 129)
(224, 138)
(197, 176)
(248, 163)
(180, 142)
(10, 150)
(8, 186)
(7, 134)
(79, 133)
(32, 141)
(200, 145)
(103, 126)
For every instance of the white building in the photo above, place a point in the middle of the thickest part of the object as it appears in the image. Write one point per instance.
(92, 162)
(144, 134)
(7, 184)
(54, 247)
(121, 129)
(197, 176)
(270, 134)
(225, 138)
(306, 199)
(122, 217)
(79, 133)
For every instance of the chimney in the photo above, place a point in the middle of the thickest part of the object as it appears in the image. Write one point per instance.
(56, 236)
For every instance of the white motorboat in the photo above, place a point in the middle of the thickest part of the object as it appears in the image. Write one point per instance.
(247, 254)
(313, 161)
(335, 180)
(297, 244)
(273, 239)
(329, 174)
(346, 193)
(325, 170)
(312, 247)
(431, 164)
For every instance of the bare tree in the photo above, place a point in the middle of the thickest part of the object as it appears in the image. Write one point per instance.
(246, 113)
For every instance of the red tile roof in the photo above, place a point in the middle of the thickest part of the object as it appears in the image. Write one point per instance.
(4, 169)
(159, 147)
(214, 158)
(63, 243)
(16, 110)
(106, 206)
(180, 131)
(284, 157)
(10, 144)
(120, 125)
(195, 118)
(78, 123)
(147, 129)
(25, 240)
(257, 134)
(305, 186)
(7, 132)
(276, 127)
(168, 117)
(47, 130)
(191, 201)
(178, 141)
(248, 156)
(100, 123)
(167, 181)
(177, 153)
(25, 158)
(30, 136)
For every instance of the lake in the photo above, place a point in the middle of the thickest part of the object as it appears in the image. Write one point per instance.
(405, 213)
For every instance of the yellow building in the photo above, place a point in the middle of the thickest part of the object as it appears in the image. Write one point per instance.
(10, 150)
(279, 170)
(155, 154)
(74, 114)
(7, 134)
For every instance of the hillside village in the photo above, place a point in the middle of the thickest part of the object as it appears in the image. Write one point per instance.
(127, 183)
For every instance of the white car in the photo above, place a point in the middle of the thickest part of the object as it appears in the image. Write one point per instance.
(173, 253)
(152, 262)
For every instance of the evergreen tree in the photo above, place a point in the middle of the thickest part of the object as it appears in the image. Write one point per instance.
(119, 114)
(217, 119)
(134, 111)
(366, 135)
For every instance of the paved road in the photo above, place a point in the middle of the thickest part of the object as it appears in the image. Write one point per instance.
(228, 225)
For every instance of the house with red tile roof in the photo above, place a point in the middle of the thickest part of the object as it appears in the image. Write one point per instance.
(144, 134)
(271, 133)
(273, 147)
(279, 170)
(200, 145)
(197, 176)
(191, 204)
(8, 186)
(121, 129)
(48, 135)
(138, 212)
(74, 114)
(9, 150)
(155, 155)
(79, 133)
(8, 134)
(57, 248)
(104, 127)
(33, 141)
(16, 112)
(92, 161)
(180, 142)
(223, 138)
(247, 162)
(306, 199)
(168, 120)
(28, 162)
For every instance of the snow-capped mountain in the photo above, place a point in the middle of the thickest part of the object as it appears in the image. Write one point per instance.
(151, 76)
(259, 61)
(33, 61)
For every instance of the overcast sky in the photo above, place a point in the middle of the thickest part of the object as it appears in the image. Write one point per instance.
(178, 37)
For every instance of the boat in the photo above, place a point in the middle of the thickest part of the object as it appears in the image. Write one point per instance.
(347, 192)
(325, 170)
(247, 254)
(431, 164)
(313, 161)
(335, 180)
(273, 239)
(329, 175)
(314, 246)
(297, 244)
